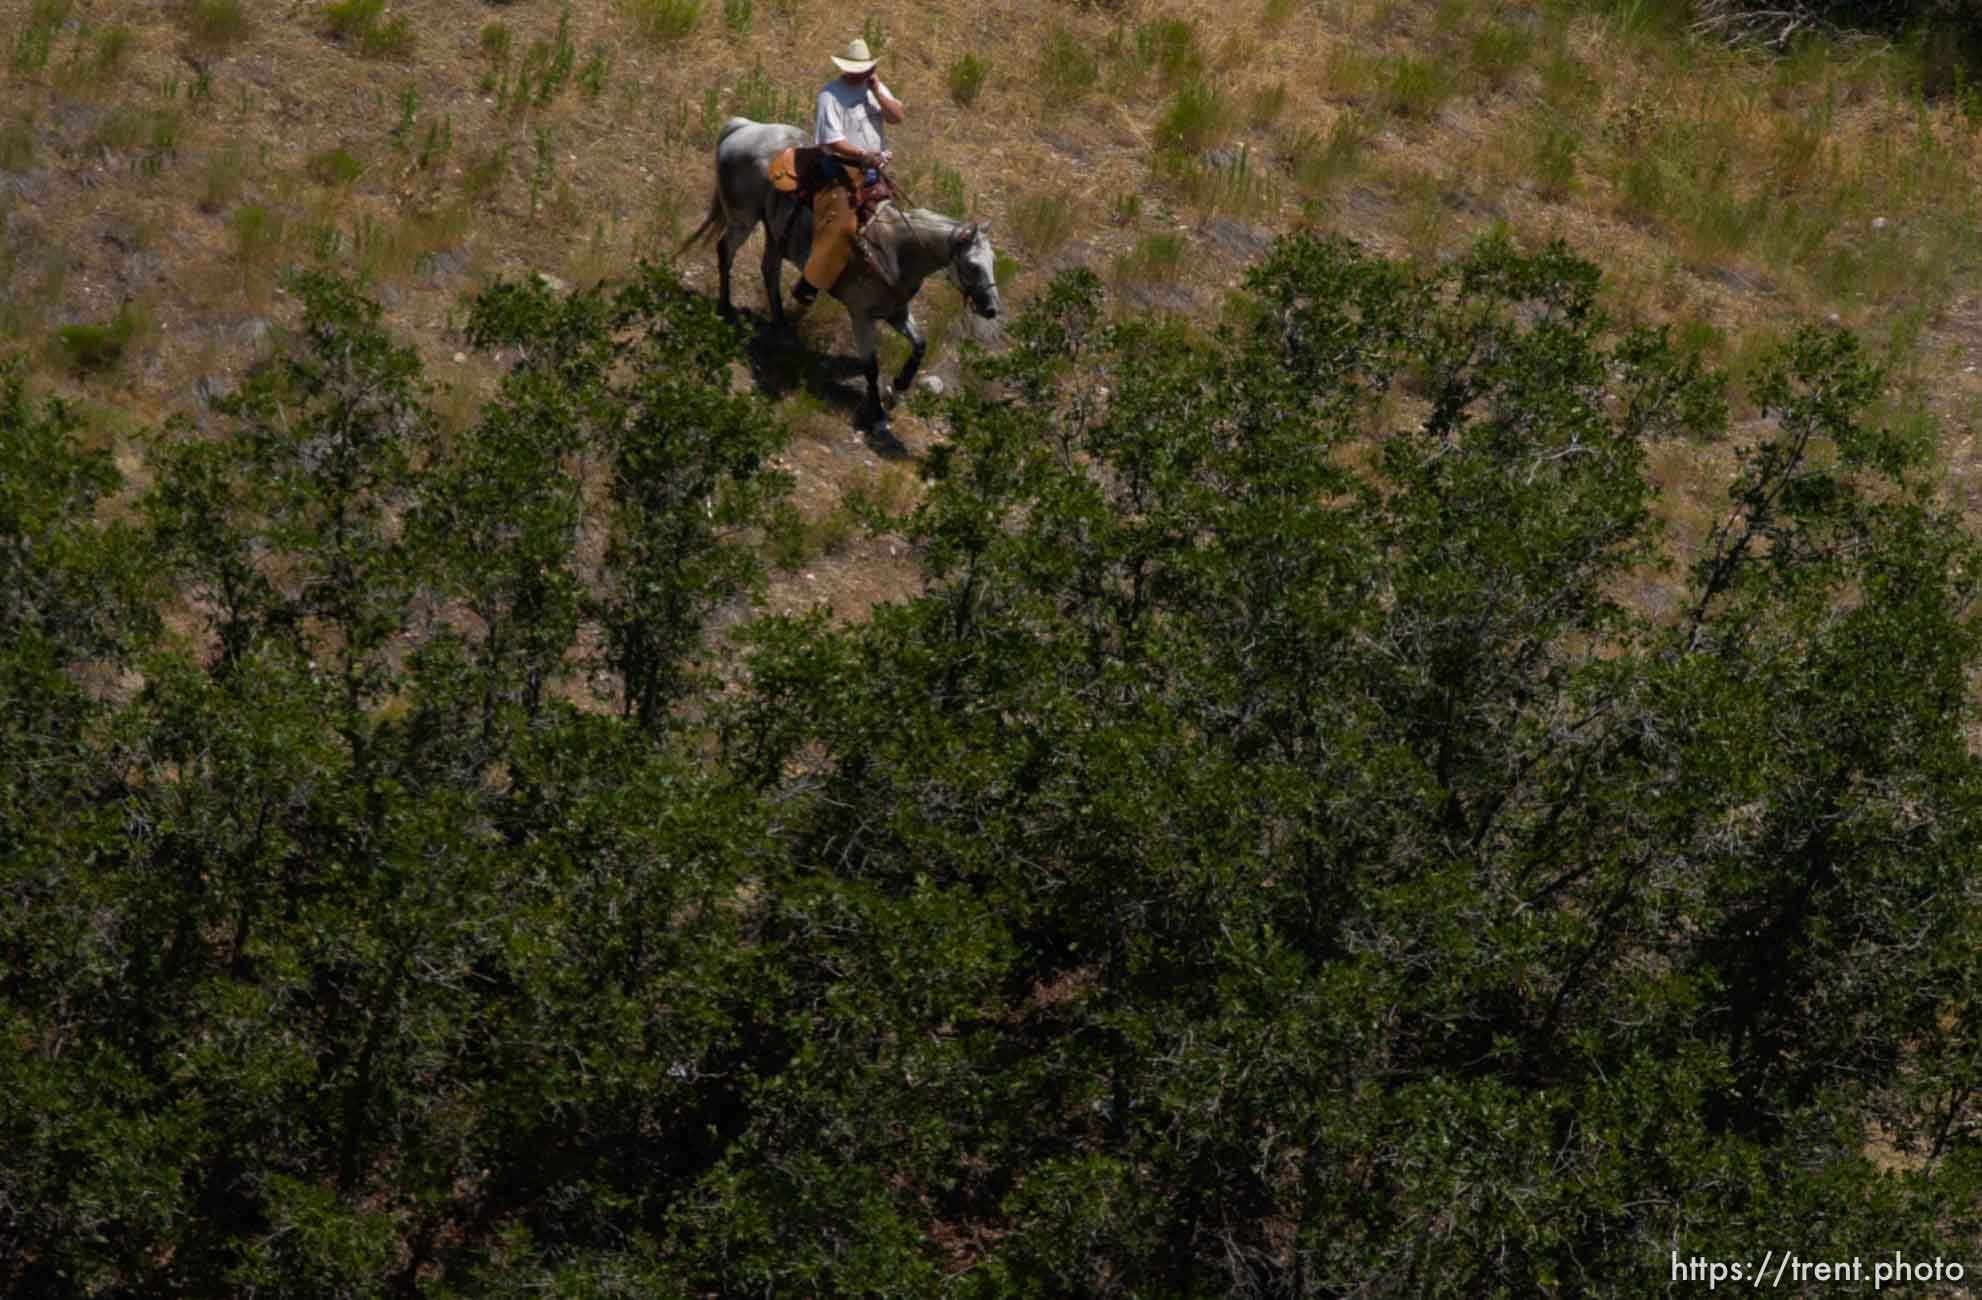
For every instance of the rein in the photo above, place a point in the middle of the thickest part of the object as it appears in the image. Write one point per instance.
(902, 196)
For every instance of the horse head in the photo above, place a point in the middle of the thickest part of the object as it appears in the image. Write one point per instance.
(973, 268)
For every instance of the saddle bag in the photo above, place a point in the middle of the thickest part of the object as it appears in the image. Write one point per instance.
(798, 171)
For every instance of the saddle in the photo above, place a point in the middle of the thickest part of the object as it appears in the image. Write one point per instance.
(796, 171)
(803, 170)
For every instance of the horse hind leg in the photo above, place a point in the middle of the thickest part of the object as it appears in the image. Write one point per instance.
(773, 272)
(732, 238)
(724, 254)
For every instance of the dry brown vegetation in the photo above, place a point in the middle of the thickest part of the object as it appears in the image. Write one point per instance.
(161, 163)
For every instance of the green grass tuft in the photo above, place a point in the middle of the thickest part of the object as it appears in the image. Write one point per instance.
(214, 23)
(1067, 68)
(1319, 161)
(37, 36)
(1154, 258)
(17, 147)
(99, 349)
(1416, 88)
(333, 167)
(1499, 52)
(1198, 118)
(1170, 47)
(662, 21)
(362, 25)
(966, 78)
(1044, 220)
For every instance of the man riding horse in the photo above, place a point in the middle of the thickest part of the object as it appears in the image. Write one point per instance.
(848, 129)
(767, 176)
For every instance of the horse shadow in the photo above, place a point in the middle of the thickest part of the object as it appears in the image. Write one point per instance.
(783, 362)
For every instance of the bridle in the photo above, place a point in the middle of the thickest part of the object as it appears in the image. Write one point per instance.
(946, 257)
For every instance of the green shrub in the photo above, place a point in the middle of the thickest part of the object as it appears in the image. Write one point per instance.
(1319, 161)
(36, 38)
(966, 79)
(1067, 68)
(1415, 87)
(214, 22)
(99, 349)
(1282, 836)
(335, 166)
(17, 146)
(1268, 103)
(1044, 220)
(762, 99)
(1170, 47)
(1154, 258)
(592, 77)
(222, 179)
(122, 130)
(1228, 184)
(1499, 51)
(358, 23)
(662, 21)
(110, 48)
(1198, 117)
(257, 234)
(495, 41)
(1555, 149)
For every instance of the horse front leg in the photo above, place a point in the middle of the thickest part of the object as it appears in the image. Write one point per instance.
(904, 323)
(864, 344)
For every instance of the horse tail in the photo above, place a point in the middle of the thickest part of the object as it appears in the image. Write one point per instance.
(713, 222)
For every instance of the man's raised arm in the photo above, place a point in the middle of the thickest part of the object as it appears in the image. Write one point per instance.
(891, 108)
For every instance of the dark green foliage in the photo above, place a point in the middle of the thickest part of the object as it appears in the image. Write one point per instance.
(295, 921)
(1292, 843)
(1366, 898)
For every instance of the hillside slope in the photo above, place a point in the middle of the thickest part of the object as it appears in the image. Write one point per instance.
(162, 164)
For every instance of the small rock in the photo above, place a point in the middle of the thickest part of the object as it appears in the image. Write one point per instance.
(1878, 223)
(933, 385)
(460, 358)
(554, 284)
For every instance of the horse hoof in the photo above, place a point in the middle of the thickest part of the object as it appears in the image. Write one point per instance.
(888, 398)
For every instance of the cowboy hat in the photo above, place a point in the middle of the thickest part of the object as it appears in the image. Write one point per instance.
(857, 58)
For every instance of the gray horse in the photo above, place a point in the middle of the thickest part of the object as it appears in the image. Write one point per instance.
(917, 242)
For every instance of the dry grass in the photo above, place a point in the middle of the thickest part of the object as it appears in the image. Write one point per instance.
(428, 147)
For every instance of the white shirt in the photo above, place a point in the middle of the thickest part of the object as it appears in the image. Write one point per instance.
(850, 113)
